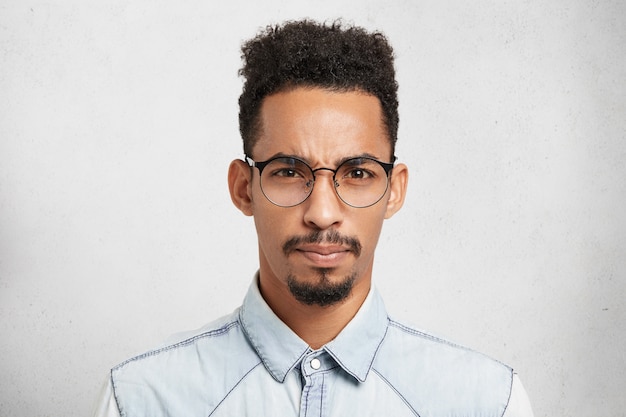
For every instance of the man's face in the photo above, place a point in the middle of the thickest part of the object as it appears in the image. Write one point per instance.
(322, 248)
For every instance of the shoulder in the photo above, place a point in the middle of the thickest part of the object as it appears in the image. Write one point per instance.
(416, 344)
(432, 373)
(178, 372)
(214, 333)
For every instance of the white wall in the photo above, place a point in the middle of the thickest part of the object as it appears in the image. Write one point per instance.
(118, 120)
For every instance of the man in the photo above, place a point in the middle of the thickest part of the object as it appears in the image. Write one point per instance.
(318, 117)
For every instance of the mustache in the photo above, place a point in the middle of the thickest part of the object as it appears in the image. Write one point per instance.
(331, 237)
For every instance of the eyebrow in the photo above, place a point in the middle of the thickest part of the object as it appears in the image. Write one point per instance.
(337, 162)
(363, 155)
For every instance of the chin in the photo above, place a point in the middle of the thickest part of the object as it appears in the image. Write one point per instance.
(324, 290)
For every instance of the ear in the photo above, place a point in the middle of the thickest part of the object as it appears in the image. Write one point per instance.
(240, 186)
(397, 189)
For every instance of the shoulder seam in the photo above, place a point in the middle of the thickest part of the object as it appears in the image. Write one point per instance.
(406, 402)
(211, 333)
(234, 387)
(415, 332)
(424, 335)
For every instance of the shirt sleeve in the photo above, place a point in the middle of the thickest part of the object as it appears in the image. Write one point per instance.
(519, 405)
(106, 405)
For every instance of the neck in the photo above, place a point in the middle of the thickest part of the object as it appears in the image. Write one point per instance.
(314, 324)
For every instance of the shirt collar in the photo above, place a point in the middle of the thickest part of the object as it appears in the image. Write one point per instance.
(355, 347)
(281, 349)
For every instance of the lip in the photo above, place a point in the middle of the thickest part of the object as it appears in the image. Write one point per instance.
(324, 256)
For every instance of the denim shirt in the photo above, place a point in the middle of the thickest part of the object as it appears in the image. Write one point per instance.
(251, 364)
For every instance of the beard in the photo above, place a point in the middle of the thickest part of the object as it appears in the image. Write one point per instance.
(324, 292)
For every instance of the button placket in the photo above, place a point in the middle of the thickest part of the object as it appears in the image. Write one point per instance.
(314, 369)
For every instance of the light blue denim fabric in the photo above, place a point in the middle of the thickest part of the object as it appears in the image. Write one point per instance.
(251, 364)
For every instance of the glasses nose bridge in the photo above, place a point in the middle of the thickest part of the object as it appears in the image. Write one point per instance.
(334, 171)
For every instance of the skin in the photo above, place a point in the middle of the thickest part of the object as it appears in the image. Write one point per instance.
(321, 127)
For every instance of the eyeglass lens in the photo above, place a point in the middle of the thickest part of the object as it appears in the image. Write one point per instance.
(359, 182)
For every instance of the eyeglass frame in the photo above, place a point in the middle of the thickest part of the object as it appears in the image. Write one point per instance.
(387, 167)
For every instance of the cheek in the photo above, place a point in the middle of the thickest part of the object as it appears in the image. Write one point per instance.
(270, 242)
(267, 227)
(274, 226)
(369, 230)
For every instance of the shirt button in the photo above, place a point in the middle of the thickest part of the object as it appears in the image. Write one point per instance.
(315, 364)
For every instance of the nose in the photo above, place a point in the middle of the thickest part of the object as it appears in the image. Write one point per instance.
(323, 208)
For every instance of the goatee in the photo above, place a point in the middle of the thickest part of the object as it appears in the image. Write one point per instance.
(323, 293)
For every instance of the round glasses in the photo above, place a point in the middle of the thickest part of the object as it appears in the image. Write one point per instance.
(287, 181)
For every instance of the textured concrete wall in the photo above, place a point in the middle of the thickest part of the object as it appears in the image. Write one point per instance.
(118, 120)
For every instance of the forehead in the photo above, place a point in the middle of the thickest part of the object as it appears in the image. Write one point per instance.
(322, 126)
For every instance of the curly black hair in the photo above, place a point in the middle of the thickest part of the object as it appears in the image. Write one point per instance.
(311, 54)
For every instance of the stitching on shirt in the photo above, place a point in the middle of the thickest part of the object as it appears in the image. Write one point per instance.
(414, 332)
(121, 409)
(233, 388)
(338, 360)
(217, 332)
(508, 401)
(397, 392)
(305, 399)
(322, 392)
(378, 347)
(266, 360)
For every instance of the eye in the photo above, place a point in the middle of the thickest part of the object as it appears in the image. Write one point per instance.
(287, 169)
(358, 173)
(286, 173)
